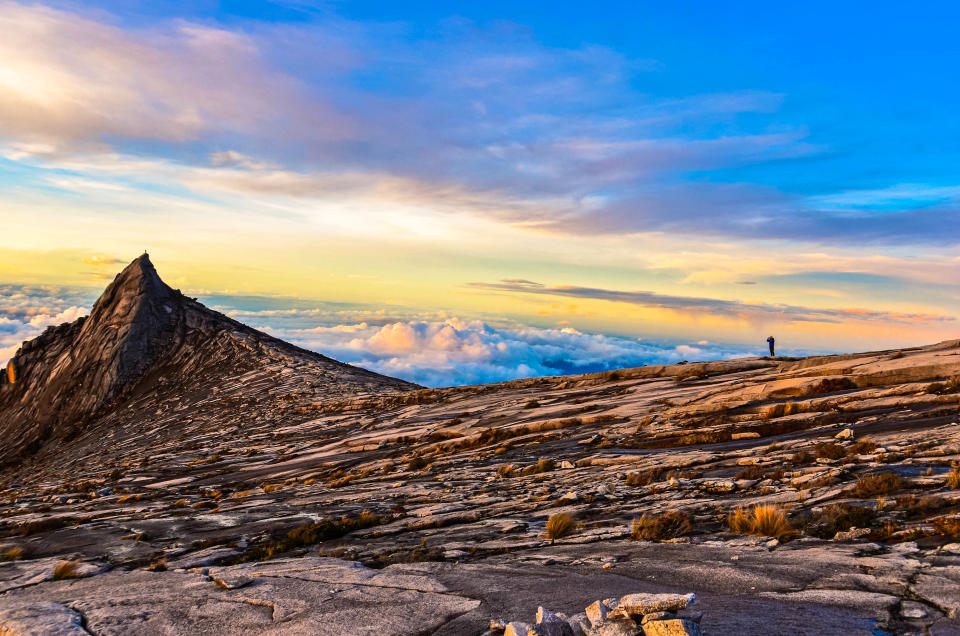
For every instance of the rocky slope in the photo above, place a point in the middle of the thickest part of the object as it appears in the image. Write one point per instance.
(280, 506)
(143, 339)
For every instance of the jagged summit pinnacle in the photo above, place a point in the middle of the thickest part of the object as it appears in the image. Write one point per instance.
(142, 337)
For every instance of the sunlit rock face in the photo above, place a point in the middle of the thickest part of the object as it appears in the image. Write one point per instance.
(142, 337)
(186, 456)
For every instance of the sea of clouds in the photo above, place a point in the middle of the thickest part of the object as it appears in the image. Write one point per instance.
(456, 351)
(429, 348)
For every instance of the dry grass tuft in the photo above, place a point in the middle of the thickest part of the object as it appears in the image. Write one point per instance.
(839, 517)
(559, 525)
(65, 570)
(780, 410)
(11, 554)
(863, 447)
(755, 472)
(669, 525)
(829, 450)
(645, 478)
(948, 527)
(417, 463)
(763, 520)
(880, 484)
(542, 466)
(953, 478)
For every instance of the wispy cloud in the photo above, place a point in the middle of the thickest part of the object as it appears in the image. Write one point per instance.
(692, 304)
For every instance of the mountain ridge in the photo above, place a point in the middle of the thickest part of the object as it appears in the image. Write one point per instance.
(142, 335)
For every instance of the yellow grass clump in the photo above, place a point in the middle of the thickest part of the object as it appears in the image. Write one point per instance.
(762, 520)
(669, 525)
(953, 477)
(65, 570)
(559, 525)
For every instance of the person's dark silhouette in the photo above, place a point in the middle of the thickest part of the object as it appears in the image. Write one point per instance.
(771, 341)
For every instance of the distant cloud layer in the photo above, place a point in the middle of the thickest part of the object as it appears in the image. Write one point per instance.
(25, 311)
(454, 351)
(714, 305)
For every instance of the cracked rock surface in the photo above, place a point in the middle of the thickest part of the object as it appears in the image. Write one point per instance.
(234, 466)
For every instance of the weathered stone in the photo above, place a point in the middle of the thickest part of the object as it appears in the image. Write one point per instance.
(549, 624)
(516, 628)
(615, 627)
(672, 627)
(43, 618)
(846, 433)
(596, 612)
(640, 604)
(851, 534)
(232, 582)
(912, 609)
(579, 624)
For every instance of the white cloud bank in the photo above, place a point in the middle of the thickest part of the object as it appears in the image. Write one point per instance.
(455, 351)
(26, 311)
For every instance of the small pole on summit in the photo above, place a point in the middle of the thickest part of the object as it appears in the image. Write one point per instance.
(771, 341)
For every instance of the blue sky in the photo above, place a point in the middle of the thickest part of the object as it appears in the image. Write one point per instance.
(676, 172)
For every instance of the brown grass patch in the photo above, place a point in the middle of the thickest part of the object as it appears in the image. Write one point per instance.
(542, 466)
(763, 520)
(646, 477)
(863, 447)
(755, 472)
(310, 534)
(953, 478)
(880, 484)
(669, 525)
(65, 570)
(839, 518)
(830, 450)
(559, 525)
(948, 527)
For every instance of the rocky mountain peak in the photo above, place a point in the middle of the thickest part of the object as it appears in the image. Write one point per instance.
(141, 336)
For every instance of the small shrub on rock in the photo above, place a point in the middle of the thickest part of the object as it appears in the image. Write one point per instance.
(559, 525)
(948, 527)
(879, 484)
(645, 478)
(953, 478)
(65, 570)
(669, 525)
(829, 450)
(839, 518)
(763, 520)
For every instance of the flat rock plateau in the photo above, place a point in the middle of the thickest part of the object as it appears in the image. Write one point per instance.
(169, 470)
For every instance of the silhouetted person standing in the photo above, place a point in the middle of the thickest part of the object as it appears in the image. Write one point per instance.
(771, 341)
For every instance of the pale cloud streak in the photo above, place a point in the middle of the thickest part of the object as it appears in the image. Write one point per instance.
(737, 308)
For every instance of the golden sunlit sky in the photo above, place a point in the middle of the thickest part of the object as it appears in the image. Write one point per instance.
(453, 193)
